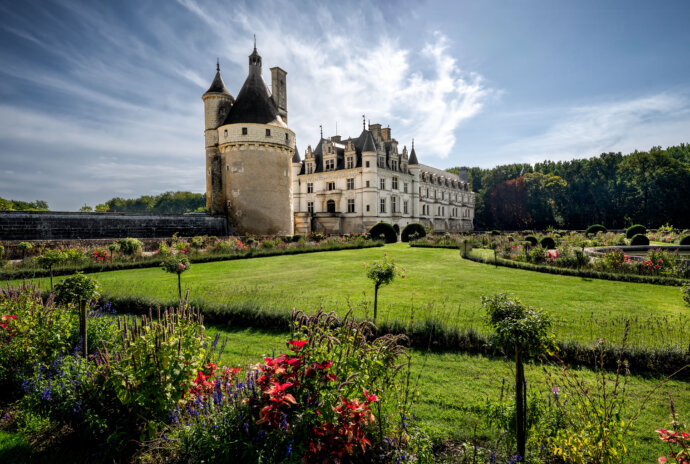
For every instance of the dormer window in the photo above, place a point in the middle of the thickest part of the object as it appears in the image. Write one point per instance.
(350, 162)
(310, 168)
(330, 165)
(394, 165)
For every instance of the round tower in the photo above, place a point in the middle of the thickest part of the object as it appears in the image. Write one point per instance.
(256, 150)
(217, 103)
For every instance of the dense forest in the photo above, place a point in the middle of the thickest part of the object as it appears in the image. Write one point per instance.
(650, 188)
(165, 203)
(16, 205)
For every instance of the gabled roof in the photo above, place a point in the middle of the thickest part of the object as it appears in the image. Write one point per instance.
(218, 86)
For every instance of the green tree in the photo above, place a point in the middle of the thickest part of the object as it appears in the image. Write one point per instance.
(177, 264)
(78, 289)
(86, 208)
(523, 331)
(24, 247)
(49, 259)
(382, 273)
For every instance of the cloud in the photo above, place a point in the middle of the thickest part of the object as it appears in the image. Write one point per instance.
(618, 125)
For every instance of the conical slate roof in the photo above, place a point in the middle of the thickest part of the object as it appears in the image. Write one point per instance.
(369, 144)
(218, 86)
(413, 156)
(295, 157)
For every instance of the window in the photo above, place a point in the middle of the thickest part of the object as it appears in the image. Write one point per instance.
(330, 165)
(427, 193)
(310, 168)
(394, 165)
(351, 205)
(244, 131)
(382, 162)
(287, 138)
(395, 183)
(310, 187)
(331, 186)
(310, 207)
(405, 187)
(350, 162)
(367, 207)
(383, 205)
(351, 184)
(367, 184)
(268, 132)
(405, 211)
(382, 184)
(443, 195)
(225, 132)
(394, 205)
(330, 206)
(367, 163)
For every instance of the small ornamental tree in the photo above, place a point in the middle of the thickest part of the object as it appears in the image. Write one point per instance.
(113, 247)
(24, 247)
(382, 273)
(50, 259)
(78, 289)
(523, 331)
(176, 264)
(686, 294)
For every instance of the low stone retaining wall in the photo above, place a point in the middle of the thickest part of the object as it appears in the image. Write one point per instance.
(35, 225)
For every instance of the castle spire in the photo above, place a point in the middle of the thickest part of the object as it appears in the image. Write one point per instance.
(364, 122)
(217, 64)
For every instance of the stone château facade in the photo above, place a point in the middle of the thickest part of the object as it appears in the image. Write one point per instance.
(347, 186)
(255, 177)
(249, 149)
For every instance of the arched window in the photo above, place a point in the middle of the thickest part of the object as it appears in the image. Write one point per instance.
(330, 206)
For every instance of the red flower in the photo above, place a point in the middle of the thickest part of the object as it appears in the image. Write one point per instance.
(297, 344)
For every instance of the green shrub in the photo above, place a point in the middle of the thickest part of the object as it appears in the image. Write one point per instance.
(412, 231)
(197, 242)
(596, 228)
(686, 294)
(384, 229)
(684, 240)
(639, 239)
(532, 240)
(76, 288)
(637, 229)
(537, 255)
(548, 243)
(23, 247)
(129, 246)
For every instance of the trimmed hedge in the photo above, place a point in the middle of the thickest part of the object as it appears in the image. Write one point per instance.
(411, 229)
(431, 333)
(685, 240)
(155, 262)
(595, 228)
(548, 243)
(532, 240)
(639, 239)
(589, 273)
(385, 229)
(637, 229)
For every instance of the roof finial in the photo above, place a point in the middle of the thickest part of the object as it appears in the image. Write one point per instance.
(218, 64)
(364, 122)
(413, 144)
(254, 42)
(321, 128)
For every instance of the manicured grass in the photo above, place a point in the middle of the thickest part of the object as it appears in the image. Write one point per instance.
(438, 284)
(450, 383)
(14, 448)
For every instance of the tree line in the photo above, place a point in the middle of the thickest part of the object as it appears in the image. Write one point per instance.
(165, 203)
(649, 187)
(16, 205)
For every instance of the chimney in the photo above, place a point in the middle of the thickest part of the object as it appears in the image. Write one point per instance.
(386, 134)
(279, 91)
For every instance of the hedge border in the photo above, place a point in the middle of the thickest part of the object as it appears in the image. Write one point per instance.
(155, 262)
(426, 334)
(654, 280)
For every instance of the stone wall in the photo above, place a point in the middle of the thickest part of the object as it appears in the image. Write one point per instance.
(18, 225)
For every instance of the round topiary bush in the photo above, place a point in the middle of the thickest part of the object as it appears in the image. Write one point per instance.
(412, 229)
(129, 246)
(385, 229)
(595, 228)
(637, 229)
(548, 243)
(532, 240)
(684, 240)
(639, 239)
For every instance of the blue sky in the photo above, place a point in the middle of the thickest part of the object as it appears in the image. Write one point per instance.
(101, 99)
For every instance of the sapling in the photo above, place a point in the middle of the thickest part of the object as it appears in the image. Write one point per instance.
(49, 259)
(523, 331)
(113, 247)
(382, 273)
(24, 247)
(176, 264)
(78, 289)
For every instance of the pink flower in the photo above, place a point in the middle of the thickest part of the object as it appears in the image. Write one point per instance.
(181, 267)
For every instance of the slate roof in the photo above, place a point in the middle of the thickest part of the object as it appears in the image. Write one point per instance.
(295, 157)
(413, 157)
(218, 86)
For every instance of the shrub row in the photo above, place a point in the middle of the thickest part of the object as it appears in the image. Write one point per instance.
(642, 279)
(430, 333)
(156, 261)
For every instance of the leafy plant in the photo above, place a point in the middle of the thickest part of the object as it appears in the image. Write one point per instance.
(129, 246)
(595, 228)
(385, 230)
(382, 273)
(637, 229)
(79, 289)
(113, 248)
(639, 239)
(176, 264)
(522, 331)
(23, 247)
(686, 294)
(411, 230)
(49, 259)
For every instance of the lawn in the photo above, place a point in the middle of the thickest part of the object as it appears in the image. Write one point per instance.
(438, 284)
(451, 382)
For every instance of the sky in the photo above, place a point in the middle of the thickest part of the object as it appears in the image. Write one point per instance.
(102, 99)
